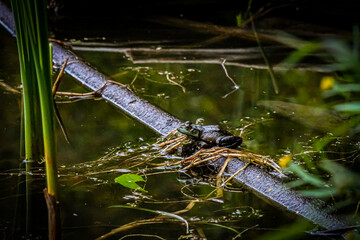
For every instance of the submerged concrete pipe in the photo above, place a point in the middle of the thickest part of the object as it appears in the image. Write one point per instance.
(263, 184)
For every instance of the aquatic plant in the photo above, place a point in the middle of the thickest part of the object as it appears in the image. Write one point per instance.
(35, 69)
(129, 181)
(340, 92)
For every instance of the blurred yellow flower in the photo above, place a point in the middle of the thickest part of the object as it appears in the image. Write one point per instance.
(327, 82)
(285, 160)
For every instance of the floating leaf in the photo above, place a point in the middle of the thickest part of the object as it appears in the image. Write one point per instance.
(129, 181)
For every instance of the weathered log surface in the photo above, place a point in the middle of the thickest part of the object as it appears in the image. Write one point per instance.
(263, 184)
(120, 96)
(270, 187)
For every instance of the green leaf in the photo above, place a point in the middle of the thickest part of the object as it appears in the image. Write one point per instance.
(342, 178)
(348, 107)
(307, 177)
(304, 50)
(129, 181)
(350, 87)
(320, 192)
(239, 20)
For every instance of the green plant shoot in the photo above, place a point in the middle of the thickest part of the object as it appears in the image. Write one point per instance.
(129, 181)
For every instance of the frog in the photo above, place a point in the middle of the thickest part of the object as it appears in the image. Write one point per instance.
(207, 136)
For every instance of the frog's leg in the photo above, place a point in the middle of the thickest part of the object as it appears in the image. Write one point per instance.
(229, 141)
(202, 144)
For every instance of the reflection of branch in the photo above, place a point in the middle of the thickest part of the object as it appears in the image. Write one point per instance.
(227, 75)
(236, 87)
(271, 36)
(210, 41)
(246, 229)
(213, 29)
(142, 235)
(163, 217)
(262, 12)
(133, 225)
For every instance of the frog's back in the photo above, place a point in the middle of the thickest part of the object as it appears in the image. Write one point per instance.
(212, 132)
(213, 128)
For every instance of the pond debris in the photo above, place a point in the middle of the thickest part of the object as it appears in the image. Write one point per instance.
(215, 153)
(161, 218)
(173, 141)
(205, 156)
(171, 79)
(8, 88)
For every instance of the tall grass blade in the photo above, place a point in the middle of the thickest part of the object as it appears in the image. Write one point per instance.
(35, 69)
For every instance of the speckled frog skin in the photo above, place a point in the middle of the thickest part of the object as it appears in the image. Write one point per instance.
(210, 136)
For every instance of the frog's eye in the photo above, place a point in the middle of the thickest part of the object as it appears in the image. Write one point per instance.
(195, 132)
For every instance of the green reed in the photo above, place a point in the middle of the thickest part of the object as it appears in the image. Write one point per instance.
(34, 56)
(38, 106)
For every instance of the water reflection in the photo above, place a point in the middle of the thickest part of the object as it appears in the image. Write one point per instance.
(87, 178)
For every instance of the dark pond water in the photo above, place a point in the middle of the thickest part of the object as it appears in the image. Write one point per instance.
(88, 190)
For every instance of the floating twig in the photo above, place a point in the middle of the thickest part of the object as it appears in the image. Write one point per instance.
(235, 87)
(175, 83)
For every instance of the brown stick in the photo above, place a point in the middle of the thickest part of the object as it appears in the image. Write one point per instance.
(54, 220)
(57, 81)
(209, 28)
